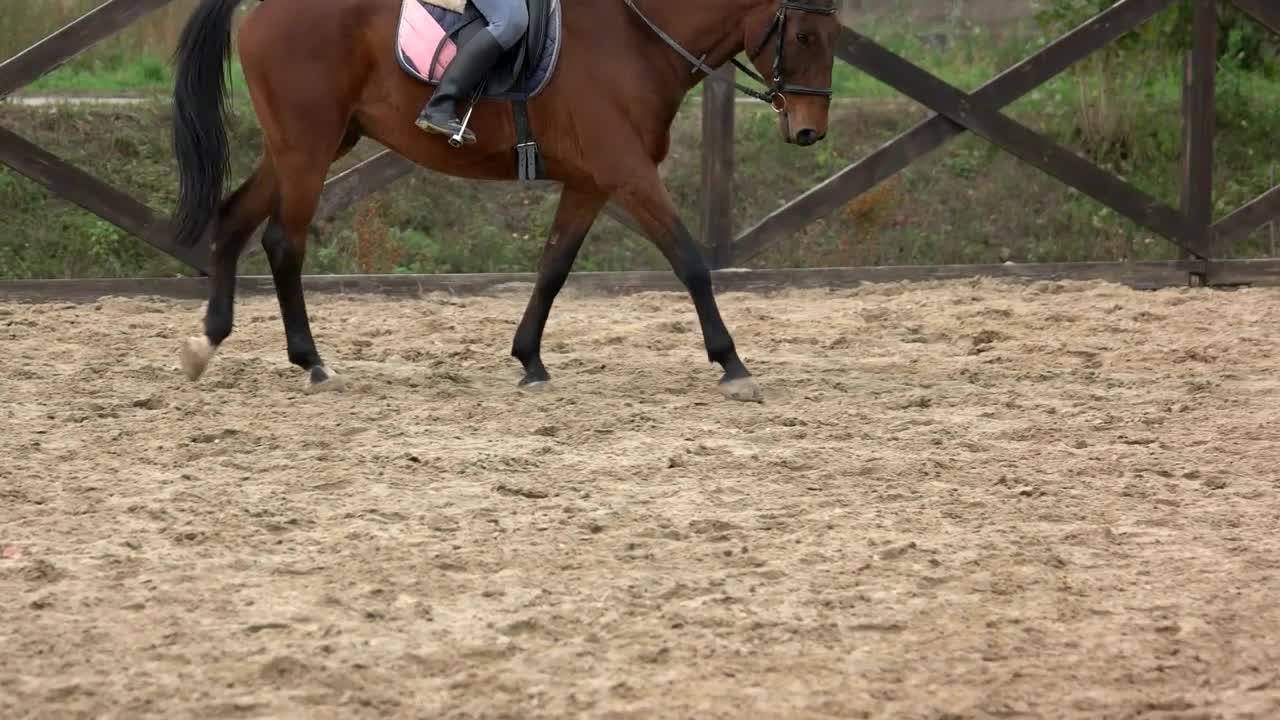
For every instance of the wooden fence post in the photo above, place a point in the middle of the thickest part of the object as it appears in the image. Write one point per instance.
(1198, 125)
(717, 167)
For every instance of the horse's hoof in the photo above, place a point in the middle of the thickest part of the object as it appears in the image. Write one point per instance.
(743, 390)
(534, 386)
(195, 356)
(536, 379)
(322, 379)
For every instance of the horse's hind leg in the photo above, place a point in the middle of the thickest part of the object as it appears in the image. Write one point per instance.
(579, 206)
(241, 213)
(239, 216)
(285, 243)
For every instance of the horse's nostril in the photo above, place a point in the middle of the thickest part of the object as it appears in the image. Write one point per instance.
(807, 137)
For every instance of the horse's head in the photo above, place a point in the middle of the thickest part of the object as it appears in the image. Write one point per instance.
(792, 44)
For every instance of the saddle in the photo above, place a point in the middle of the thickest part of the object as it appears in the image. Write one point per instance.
(428, 40)
(432, 30)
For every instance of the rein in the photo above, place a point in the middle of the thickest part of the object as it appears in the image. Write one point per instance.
(779, 86)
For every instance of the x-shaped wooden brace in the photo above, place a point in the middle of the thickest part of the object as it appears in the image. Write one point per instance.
(979, 112)
(1019, 140)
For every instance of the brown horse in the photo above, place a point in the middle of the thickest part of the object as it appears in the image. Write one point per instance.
(324, 74)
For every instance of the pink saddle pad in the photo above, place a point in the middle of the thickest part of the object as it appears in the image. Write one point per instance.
(420, 37)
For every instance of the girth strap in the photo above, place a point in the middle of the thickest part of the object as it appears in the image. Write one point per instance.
(528, 160)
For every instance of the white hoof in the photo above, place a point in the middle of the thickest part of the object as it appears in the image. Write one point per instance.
(195, 355)
(742, 390)
(322, 379)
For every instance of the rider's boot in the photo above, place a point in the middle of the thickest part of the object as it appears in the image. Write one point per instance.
(460, 78)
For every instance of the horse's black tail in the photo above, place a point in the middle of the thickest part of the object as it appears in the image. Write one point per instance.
(199, 115)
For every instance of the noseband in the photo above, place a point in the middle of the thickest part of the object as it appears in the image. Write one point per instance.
(778, 26)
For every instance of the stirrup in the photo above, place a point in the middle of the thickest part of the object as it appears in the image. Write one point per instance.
(456, 131)
(463, 135)
(457, 139)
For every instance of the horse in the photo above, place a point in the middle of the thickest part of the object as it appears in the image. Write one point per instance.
(322, 76)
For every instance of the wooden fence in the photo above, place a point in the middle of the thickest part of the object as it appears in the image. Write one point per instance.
(1190, 227)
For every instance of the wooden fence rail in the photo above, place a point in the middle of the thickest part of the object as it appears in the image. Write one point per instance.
(1190, 227)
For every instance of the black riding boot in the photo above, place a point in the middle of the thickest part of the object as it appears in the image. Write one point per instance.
(459, 81)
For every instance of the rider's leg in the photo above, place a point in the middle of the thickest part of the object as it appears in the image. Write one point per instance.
(508, 20)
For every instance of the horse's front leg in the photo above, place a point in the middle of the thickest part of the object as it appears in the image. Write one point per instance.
(646, 198)
(579, 206)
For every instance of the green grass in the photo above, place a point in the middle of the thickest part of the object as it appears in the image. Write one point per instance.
(125, 75)
(121, 75)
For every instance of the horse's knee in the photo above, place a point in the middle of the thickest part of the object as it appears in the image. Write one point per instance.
(697, 279)
(692, 271)
(553, 274)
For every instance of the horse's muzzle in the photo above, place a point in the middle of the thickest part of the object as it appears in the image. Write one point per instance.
(806, 137)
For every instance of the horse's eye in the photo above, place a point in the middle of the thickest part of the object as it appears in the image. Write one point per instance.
(802, 38)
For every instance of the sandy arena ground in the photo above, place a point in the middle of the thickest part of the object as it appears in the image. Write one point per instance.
(961, 500)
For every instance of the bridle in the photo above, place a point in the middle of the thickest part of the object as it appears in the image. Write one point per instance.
(778, 26)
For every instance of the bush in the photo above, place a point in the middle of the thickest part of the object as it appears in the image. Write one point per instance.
(1242, 43)
(1116, 89)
